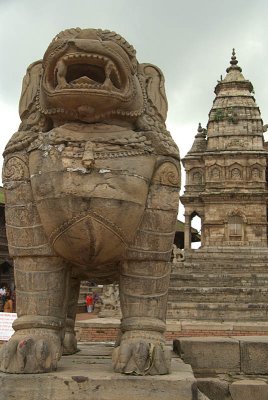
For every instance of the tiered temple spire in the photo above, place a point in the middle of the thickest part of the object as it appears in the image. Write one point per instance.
(225, 167)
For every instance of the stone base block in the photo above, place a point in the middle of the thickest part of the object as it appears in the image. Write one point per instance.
(209, 355)
(254, 355)
(249, 390)
(88, 375)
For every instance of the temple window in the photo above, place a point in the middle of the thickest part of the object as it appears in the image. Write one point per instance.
(235, 227)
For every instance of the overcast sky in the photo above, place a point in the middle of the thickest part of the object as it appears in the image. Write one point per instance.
(191, 41)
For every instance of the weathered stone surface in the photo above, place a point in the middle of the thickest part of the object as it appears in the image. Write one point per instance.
(89, 376)
(202, 396)
(214, 355)
(249, 389)
(214, 388)
(92, 188)
(254, 355)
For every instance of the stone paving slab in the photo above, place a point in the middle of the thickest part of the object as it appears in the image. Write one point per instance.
(89, 376)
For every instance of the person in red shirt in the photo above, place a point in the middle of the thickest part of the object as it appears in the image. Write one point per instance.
(89, 303)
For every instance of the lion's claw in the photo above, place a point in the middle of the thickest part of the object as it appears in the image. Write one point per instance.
(141, 358)
(30, 354)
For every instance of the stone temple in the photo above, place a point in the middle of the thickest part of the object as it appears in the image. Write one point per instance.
(226, 186)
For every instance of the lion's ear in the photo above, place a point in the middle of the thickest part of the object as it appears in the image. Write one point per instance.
(30, 85)
(155, 87)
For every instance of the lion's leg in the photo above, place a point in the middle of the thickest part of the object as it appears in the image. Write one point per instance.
(41, 288)
(144, 281)
(70, 342)
(41, 278)
(143, 295)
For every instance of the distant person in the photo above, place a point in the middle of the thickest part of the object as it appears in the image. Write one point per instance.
(2, 291)
(89, 303)
(96, 298)
(3, 295)
(8, 306)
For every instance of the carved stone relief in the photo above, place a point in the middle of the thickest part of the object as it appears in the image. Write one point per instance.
(236, 174)
(256, 173)
(215, 174)
(196, 176)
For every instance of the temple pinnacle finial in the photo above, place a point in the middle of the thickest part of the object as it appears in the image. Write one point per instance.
(233, 58)
(233, 63)
(201, 132)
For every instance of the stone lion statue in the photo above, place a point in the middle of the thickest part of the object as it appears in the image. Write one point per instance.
(91, 181)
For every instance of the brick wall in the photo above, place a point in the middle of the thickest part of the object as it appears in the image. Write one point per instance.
(88, 333)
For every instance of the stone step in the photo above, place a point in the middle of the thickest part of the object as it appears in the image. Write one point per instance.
(220, 284)
(216, 266)
(227, 368)
(219, 255)
(217, 311)
(218, 355)
(229, 262)
(247, 251)
(224, 279)
(240, 387)
(217, 294)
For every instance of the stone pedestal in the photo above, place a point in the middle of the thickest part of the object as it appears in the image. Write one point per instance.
(88, 375)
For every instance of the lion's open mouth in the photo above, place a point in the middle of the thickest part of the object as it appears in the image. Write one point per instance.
(87, 71)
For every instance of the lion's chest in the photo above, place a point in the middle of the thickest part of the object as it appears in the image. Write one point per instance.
(90, 194)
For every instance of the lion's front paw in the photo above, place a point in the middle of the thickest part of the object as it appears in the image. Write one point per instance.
(32, 353)
(141, 358)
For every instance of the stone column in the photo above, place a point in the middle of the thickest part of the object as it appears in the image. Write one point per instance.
(187, 232)
(202, 230)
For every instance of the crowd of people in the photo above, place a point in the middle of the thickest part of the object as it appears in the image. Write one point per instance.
(7, 300)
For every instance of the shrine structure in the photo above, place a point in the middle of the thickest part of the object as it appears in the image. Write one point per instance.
(226, 186)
